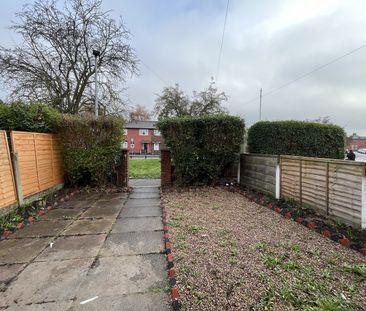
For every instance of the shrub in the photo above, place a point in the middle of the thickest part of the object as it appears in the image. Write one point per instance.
(32, 117)
(90, 148)
(297, 138)
(201, 147)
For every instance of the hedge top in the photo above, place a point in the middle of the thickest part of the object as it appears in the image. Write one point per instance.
(297, 138)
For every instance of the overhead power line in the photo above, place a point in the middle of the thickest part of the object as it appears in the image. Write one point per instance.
(222, 43)
(154, 73)
(306, 74)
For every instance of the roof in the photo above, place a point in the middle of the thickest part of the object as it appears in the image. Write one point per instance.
(357, 137)
(141, 125)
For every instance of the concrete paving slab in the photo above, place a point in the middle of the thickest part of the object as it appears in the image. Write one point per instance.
(124, 275)
(133, 302)
(8, 272)
(47, 281)
(102, 212)
(76, 204)
(142, 202)
(47, 306)
(146, 189)
(137, 224)
(89, 226)
(42, 229)
(73, 247)
(144, 183)
(110, 203)
(133, 243)
(150, 211)
(21, 250)
(145, 195)
(112, 196)
(61, 214)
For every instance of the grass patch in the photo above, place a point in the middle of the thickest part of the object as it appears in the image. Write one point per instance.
(144, 168)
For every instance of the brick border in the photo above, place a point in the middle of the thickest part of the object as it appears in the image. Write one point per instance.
(174, 292)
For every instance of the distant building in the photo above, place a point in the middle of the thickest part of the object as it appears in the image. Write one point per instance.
(356, 142)
(142, 137)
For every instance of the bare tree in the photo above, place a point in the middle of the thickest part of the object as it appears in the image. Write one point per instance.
(139, 113)
(54, 63)
(173, 102)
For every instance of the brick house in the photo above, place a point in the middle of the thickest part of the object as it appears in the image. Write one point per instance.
(356, 142)
(142, 137)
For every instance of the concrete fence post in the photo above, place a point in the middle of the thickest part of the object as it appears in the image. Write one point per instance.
(17, 180)
(363, 203)
(166, 169)
(122, 170)
(278, 181)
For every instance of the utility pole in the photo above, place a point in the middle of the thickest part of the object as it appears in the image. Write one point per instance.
(260, 104)
(96, 53)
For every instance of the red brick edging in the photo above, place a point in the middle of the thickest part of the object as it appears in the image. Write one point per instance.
(174, 293)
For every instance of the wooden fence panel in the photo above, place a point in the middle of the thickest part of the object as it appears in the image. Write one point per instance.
(259, 172)
(39, 159)
(7, 184)
(332, 186)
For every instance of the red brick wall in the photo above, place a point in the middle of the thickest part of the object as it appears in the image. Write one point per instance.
(166, 169)
(356, 144)
(122, 169)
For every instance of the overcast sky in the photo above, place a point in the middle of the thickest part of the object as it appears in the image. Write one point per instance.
(267, 43)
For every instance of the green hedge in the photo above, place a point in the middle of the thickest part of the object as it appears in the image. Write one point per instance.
(32, 117)
(297, 138)
(90, 148)
(201, 147)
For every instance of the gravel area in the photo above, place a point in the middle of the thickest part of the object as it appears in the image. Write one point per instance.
(233, 254)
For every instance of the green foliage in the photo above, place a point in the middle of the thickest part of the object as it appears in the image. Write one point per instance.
(297, 138)
(202, 147)
(90, 148)
(32, 117)
(173, 102)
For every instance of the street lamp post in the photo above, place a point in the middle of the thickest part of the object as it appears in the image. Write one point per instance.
(96, 53)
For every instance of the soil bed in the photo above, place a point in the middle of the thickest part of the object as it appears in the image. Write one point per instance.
(233, 254)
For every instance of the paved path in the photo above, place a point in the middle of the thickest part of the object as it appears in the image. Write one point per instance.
(104, 246)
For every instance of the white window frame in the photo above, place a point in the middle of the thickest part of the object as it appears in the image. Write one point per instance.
(156, 146)
(125, 145)
(144, 132)
(125, 131)
(157, 133)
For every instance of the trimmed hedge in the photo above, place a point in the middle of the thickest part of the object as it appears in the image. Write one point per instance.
(90, 148)
(32, 117)
(201, 147)
(297, 138)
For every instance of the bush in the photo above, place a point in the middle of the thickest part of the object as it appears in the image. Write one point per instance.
(201, 147)
(32, 117)
(297, 138)
(90, 148)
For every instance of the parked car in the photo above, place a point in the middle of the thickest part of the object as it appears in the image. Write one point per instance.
(362, 150)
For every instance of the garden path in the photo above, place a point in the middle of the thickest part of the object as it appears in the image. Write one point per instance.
(94, 252)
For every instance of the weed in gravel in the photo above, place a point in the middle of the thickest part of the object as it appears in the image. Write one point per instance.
(194, 229)
(359, 270)
(268, 299)
(216, 206)
(262, 246)
(290, 265)
(271, 261)
(333, 304)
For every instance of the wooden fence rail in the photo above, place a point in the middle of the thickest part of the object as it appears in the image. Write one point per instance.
(37, 165)
(334, 187)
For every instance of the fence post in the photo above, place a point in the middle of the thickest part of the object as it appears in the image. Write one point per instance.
(363, 200)
(18, 183)
(278, 178)
(122, 174)
(166, 169)
(300, 181)
(327, 189)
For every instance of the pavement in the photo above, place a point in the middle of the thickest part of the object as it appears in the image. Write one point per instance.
(95, 252)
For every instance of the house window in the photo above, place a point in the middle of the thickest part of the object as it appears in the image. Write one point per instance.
(156, 146)
(125, 132)
(157, 133)
(125, 145)
(143, 132)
